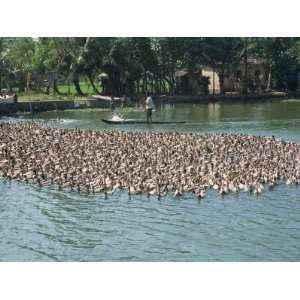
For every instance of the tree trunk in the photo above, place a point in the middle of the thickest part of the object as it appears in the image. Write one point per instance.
(48, 87)
(221, 78)
(173, 84)
(245, 83)
(269, 79)
(160, 86)
(170, 87)
(152, 86)
(69, 88)
(164, 88)
(145, 85)
(55, 88)
(213, 82)
(93, 84)
(77, 86)
(156, 84)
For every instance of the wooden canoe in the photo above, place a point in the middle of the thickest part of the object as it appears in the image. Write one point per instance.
(136, 121)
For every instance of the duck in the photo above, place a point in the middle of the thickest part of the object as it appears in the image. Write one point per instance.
(104, 161)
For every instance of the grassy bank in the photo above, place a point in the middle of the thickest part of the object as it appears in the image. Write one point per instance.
(45, 97)
(67, 93)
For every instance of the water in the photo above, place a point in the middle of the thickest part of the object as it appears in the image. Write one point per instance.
(49, 225)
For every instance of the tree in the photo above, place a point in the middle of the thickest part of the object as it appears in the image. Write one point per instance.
(247, 49)
(16, 60)
(4, 68)
(221, 54)
(137, 65)
(169, 53)
(280, 55)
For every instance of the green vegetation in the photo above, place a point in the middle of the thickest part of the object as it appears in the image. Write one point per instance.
(45, 97)
(69, 68)
(66, 93)
(85, 87)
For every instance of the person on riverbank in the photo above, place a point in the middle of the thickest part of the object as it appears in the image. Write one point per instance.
(149, 108)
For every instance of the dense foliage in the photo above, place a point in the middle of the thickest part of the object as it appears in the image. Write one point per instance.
(137, 65)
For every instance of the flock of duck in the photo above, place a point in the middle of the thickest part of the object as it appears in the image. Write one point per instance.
(151, 163)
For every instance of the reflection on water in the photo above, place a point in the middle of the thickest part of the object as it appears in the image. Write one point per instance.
(279, 118)
(49, 225)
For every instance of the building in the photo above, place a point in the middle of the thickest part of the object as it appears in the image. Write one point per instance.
(207, 80)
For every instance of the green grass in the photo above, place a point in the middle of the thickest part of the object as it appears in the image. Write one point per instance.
(87, 110)
(85, 87)
(45, 97)
(68, 93)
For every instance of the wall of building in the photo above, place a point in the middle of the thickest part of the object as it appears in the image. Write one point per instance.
(214, 82)
(233, 82)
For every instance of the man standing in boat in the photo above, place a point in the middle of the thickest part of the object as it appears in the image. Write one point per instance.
(149, 107)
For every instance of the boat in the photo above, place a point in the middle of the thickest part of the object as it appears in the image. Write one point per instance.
(139, 121)
(7, 99)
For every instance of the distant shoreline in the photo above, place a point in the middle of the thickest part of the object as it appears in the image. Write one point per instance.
(226, 97)
(8, 109)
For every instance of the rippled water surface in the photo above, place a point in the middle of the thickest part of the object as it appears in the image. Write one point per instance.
(49, 225)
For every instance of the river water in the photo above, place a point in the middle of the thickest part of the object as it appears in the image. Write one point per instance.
(44, 224)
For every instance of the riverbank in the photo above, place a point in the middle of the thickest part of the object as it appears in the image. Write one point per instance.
(52, 105)
(226, 97)
(24, 107)
(34, 107)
